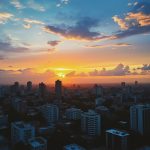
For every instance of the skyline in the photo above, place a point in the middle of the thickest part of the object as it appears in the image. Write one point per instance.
(75, 41)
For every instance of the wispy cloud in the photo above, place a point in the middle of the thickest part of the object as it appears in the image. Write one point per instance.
(35, 6)
(17, 4)
(109, 45)
(4, 16)
(62, 2)
(53, 43)
(28, 23)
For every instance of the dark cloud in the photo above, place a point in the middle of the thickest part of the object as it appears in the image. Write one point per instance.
(132, 31)
(53, 43)
(145, 67)
(81, 30)
(9, 47)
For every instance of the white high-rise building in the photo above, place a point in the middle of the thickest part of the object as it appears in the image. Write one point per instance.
(73, 113)
(21, 132)
(37, 143)
(50, 113)
(116, 140)
(140, 118)
(91, 123)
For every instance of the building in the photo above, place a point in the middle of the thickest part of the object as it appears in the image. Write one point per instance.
(21, 132)
(73, 147)
(99, 101)
(98, 90)
(3, 121)
(91, 123)
(19, 105)
(50, 112)
(58, 89)
(117, 140)
(29, 86)
(140, 118)
(42, 89)
(73, 113)
(37, 143)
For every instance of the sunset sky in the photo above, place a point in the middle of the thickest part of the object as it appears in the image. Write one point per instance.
(77, 41)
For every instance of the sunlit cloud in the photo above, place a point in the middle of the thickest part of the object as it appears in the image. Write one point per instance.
(4, 16)
(17, 4)
(109, 45)
(120, 22)
(80, 31)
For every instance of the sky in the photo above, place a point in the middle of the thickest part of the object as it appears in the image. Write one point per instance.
(77, 41)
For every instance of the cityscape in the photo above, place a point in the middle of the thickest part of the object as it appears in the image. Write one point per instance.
(74, 75)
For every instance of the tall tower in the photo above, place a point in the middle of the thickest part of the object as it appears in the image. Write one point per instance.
(29, 86)
(116, 140)
(140, 118)
(58, 89)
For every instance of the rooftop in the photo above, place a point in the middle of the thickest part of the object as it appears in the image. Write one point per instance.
(117, 132)
(73, 147)
(21, 124)
(37, 141)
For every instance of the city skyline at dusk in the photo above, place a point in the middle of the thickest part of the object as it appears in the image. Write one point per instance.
(74, 41)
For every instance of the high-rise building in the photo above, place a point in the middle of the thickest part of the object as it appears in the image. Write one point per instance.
(117, 140)
(21, 132)
(73, 113)
(19, 105)
(37, 143)
(42, 89)
(91, 123)
(58, 89)
(29, 86)
(140, 118)
(50, 113)
(98, 90)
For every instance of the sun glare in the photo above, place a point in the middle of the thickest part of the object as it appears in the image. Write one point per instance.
(61, 75)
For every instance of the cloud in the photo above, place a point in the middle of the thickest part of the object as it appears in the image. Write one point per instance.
(145, 67)
(28, 23)
(31, 21)
(62, 2)
(119, 70)
(135, 22)
(53, 43)
(109, 45)
(27, 26)
(120, 22)
(75, 74)
(1, 57)
(82, 30)
(23, 75)
(7, 46)
(4, 16)
(17, 4)
(35, 6)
